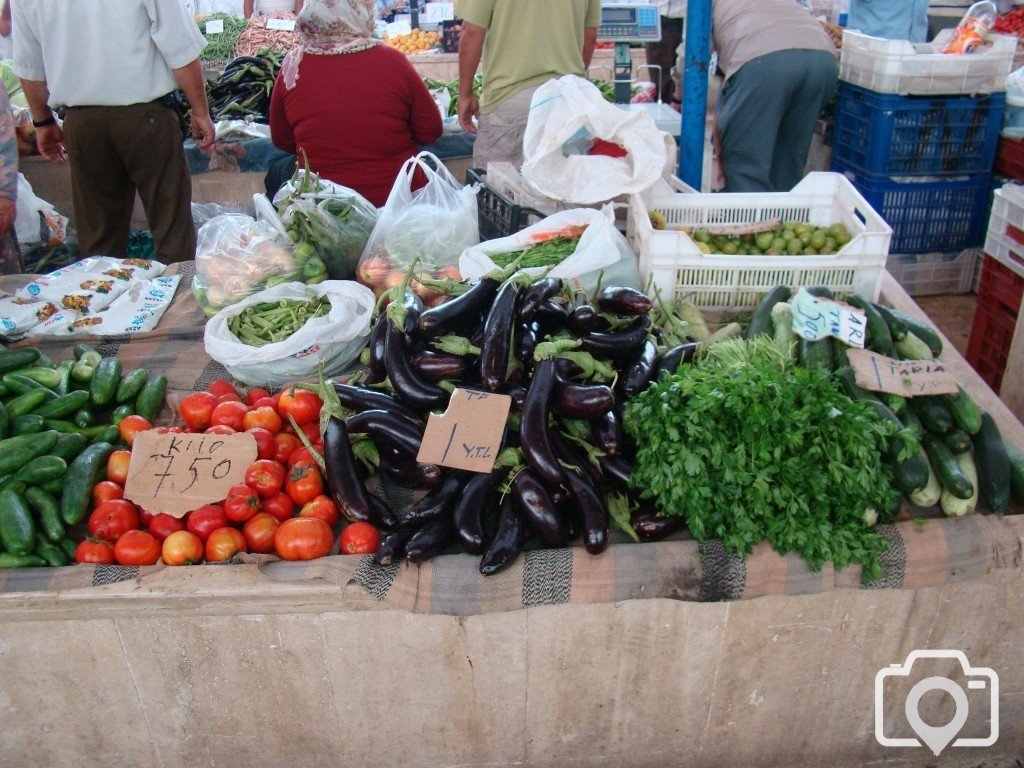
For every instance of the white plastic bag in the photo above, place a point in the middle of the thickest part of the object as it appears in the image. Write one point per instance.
(336, 339)
(601, 248)
(566, 117)
(90, 285)
(50, 229)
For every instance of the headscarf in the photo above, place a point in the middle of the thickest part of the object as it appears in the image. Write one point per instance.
(330, 27)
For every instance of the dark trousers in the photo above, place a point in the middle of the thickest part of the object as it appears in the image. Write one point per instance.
(767, 113)
(116, 151)
(663, 53)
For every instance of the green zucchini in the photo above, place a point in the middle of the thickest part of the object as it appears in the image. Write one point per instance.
(821, 292)
(48, 510)
(909, 475)
(958, 441)
(848, 380)
(816, 355)
(896, 404)
(953, 505)
(912, 422)
(105, 379)
(8, 560)
(934, 414)
(63, 405)
(922, 330)
(965, 411)
(54, 556)
(761, 320)
(1016, 470)
(26, 403)
(130, 386)
(42, 469)
(29, 424)
(17, 526)
(897, 329)
(912, 348)
(993, 465)
(879, 338)
(5, 421)
(83, 473)
(13, 359)
(16, 452)
(930, 495)
(150, 401)
(784, 336)
(947, 468)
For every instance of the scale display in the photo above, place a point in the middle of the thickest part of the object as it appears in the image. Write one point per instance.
(629, 23)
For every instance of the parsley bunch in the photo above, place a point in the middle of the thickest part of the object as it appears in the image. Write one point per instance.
(749, 449)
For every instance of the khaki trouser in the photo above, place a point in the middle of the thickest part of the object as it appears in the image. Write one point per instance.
(499, 136)
(115, 151)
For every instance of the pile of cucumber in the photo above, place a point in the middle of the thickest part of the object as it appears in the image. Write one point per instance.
(58, 425)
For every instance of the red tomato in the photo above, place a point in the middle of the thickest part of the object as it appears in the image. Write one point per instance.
(207, 519)
(94, 550)
(131, 426)
(264, 442)
(182, 548)
(169, 430)
(223, 544)
(322, 507)
(301, 405)
(163, 525)
(265, 402)
(304, 483)
(196, 409)
(220, 429)
(229, 414)
(112, 519)
(280, 505)
(265, 476)
(312, 432)
(145, 517)
(106, 491)
(359, 539)
(303, 538)
(117, 467)
(265, 417)
(284, 446)
(254, 395)
(259, 533)
(137, 548)
(241, 505)
(222, 387)
(229, 397)
(301, 455)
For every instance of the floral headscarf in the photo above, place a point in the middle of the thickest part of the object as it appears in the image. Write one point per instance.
(330, 27)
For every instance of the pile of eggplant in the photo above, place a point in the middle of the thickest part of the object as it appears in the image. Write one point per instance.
(567, 360)
(240, 92)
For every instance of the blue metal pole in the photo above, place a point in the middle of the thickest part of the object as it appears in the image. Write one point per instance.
(695, 91)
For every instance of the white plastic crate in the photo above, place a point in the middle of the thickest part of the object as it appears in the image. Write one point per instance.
(1006, 228)
(933, 274)
(720, 282)
(902, 67)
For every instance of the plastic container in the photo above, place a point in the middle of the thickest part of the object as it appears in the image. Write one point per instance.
(888, 134)
(720, 282)
(1013, 120)
(499, 216)
(933, 274)
(1005, 239)
(902, 67)
(1000, 291)
(1009, 160)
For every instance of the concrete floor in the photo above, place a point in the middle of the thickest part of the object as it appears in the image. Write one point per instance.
(952, 315)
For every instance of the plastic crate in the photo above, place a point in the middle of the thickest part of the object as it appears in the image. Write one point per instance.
(1005, 239)
(899, 66)
(498, 216)
(1010, 158)
(720, 282)
(927, 216)
(886, 134)
(932, 274)
(451, 31)
(1000, 291)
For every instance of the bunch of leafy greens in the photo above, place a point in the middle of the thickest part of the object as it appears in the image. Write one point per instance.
(748, 448)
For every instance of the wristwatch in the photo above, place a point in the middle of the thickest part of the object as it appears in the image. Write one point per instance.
(51, 120)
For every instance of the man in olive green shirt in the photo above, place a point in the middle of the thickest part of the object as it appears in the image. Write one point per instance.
(528, 42)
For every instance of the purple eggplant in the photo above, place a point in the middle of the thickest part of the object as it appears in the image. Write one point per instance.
(407, 384)
(655, 527)
(439, 366)
(398, 468)
(518, 395)
(460, 311)
(381, 514)
(364, 399)
(552, 316)
(389, 429)
(538, 293)
(590, 504)
(343, 478)
(641, 371)
(586, 319)
(620, 300)
(618, 345)
(616, 469)
(468, 514)
(508, 539)
(534, 428)
(526, 341)
(494, 351)
(674, 357)
(606, 430)
(430, 540)
(413, 306)
(378, 371)
(437, 503)
(392, 546)
(538, 509)
(574, 401)
(570, 454)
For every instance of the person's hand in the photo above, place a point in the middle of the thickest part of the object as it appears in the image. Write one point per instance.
(5, 27)
(469, 108)
(203, 131)
(8, 210)
(50, 140)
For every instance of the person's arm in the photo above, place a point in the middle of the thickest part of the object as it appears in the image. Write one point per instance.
(49, 138)
(471, 49)
(298, 6)
(190, 79)
(282, 134)
(424, 116)
(589, 41)
(8, 166)
(5, 19)
(247, 8)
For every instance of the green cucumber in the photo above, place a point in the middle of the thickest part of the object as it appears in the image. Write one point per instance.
(947, 468)
(13, 359)
(930, 495)
(17, 526)
(993, 463)
(879, 338)
(896, 404)
(42, 469)
(848, 380)
(934, 414)
(782, 322)
(81, 350)
(48, 510)
(816, 355)
(62, 425)
(130, 386)
(121, 413)
(1016, 470)
(105, 433)
(48, 377)
(53, 487)
(82, 373)
(29, 424)
(105, 379)
(26, 403)
(912, 348)
(69, 445)
(20, 385)
(958, 441)
(965, 411)
(64, 385)
(45, 361)
(7, 560)
(83, 473)
(54, 556)
(897, 328)
(5, 421)
(922, 330)
(63, 405)
(84, 417)
(953, 505)
(16, 452)
(761, 320)
(820, 292)
(70, 547)
(150, 401)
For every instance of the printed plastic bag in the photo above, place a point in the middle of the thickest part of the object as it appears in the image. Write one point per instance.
(137, 310)
(601, 249)
(567, 118)
(90, 285)
(335, 339)
(433, 224)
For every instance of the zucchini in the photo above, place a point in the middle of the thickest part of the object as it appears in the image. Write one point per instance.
(730, 331)
(5, 421)
(13, 359)
(821, 292)
(150, 401)
(848, 380)
(879, 338)
(934, 414)
(48, 510)
(839, 358)
(948, 468)
(1016, 470)
(48, 377)
(105, 379)
(42, 469)
(16, 452)
(922, 330)
(29, 424)
(816, 355)
(953, 505)
(784, 336)
(26, 403)
(965, 411)
(63, 405)
(83, 473)
(895, 403)
(50, 552)
(930, 495)
(130, 386)
(993, 466)
(911, 474)
(912, 348)
(910, 420)
(7, 560)
(958, 441)
(69, 445)
(897, 329)
(761, 320)
(17, 526)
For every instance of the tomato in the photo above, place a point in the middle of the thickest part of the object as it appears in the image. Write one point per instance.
(301, 455)
(303, 538)
(223, 544)
(304, 483)
(145, 517)
(230, 397)
(131, 426)
(322, 507)
(312, 432)
(137, 548)
(241, 504)
(163, 525)
(265, 417)
(265, 476)
(196, 409)
(112, 519)
(220, 429)
(106, 491)
(265, 402)
(94, 550)
(254, 395)
(359, 539)
(222, 387)
(284, 446)
(259, 533)
(264, 442)
(182, 548)
(229, 414)
(280, 505)
(169, 430)
(301, 405)
(117, 467)
(207, 519)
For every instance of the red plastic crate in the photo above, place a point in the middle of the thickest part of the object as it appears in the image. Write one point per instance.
(1010, 158)
(995, 319)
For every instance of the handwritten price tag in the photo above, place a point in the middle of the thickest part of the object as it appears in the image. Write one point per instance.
(815, 318)
(215, 27)
(468, 435)
(435, 13)
(178, 473)
(397, 28)
(283, 25)
(908, 378)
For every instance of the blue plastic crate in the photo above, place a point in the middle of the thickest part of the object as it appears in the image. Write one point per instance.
(927, 216)
(882, 133)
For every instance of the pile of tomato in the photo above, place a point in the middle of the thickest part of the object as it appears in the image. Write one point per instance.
(281, 508)
(1011, 23)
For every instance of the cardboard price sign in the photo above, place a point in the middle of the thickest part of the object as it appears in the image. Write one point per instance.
(178, 473)
(468, 435)
(815, 318)
(215, 26)
(435, 13)
(908, 378)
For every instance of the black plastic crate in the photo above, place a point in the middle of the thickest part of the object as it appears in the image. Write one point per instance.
(499, 216)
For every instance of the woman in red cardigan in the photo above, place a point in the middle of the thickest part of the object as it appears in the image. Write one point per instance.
(355, 106)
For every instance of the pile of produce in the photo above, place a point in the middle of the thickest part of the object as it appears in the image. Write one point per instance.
(835, 33)
(547, 251)
(417, 41)
(792, 238)
(220, 46)
(272, 321)
(242, 90)
(257, 38)
(452, 89)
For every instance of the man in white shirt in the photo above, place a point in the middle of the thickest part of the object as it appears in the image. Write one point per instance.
(111, 64)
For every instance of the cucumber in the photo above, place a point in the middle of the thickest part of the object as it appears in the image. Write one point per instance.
(42, 469)
(958, 441)
(50, 552)
(84, 417)
(848, 380)
(816, 355)
(896, 404)
(29, 424)
(82, 373)
(121, 412)
(48, 510)
(48, 377)
(911, 474)
(879, 338)
(64, 385)
(820, 292)
(20, 385)
(68, 446)
(62, 425)
(5, 421)
(16, 452)
(922, 330)
(83, 473)
(784, 336)
(897, 329)
(13, 359)
(105, 379)
(965, 411)
(953, 505)
(17, 527)
(45, 361)
(993, 465)
(69, 546)
(930, 495)
(761, 320)
(63, 405)
(130, 386)
(81, 350)
(53, 487)
(934, 414)
(947, 468)
(7, 560)
(1016, 470)
(912, 348)
(912, 422)
(107, 433)
(26, 403)
(150, 401)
